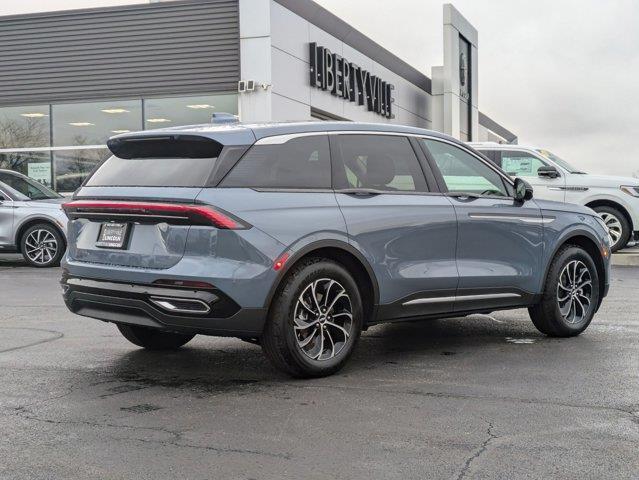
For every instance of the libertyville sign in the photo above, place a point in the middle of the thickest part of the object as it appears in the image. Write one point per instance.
(333, 73)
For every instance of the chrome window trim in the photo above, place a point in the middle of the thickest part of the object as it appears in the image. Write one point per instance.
(282, 139)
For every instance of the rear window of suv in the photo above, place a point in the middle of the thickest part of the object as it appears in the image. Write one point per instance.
(152, 172)
(158, 161)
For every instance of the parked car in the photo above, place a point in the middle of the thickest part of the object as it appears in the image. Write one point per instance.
(616, 199)
(298, 236)
(32, 221)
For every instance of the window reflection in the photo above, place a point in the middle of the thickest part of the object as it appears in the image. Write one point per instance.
(73, 166)
(25, 127)
(36, 165)
(93, 123)
(167, 112)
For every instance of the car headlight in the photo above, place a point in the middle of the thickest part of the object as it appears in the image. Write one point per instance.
(630, 190)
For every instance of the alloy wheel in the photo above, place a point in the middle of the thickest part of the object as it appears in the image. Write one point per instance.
(323, 319)
(614, 226)
(574, 291)
(41, 246)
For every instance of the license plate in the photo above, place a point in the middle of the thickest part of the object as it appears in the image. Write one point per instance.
(113, 235)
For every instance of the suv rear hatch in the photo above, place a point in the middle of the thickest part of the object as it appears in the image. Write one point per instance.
(136, 209)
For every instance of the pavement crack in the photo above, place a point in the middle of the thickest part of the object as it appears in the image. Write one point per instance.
(174, 440)
(55, 336)
(479, 452)
(27, 415)
(625, 410)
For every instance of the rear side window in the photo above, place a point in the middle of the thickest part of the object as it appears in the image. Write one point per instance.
(300, 163)
(152, 172)
(378, 162)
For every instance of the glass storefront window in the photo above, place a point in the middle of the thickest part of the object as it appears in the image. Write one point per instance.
(93, 123)
(23, 127)
(168, 112)
(72, 166)
(36, 165)
(89, 125)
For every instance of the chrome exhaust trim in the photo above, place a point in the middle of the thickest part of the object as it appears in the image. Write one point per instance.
(181, 305)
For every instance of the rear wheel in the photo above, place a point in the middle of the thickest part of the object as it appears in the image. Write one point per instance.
(618, 226)
(315, 320)
(153, 339)
(42, 245)
(571, 294)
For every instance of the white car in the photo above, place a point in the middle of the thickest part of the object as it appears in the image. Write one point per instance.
(616, 199)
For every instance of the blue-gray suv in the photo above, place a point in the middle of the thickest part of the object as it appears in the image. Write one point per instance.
(298, 236)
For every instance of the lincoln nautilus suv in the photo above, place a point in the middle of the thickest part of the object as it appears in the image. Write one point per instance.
(298, 236)
(32, 221)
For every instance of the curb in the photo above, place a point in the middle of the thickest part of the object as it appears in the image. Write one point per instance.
(625, 259)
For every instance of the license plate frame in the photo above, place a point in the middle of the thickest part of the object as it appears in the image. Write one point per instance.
(113, 235)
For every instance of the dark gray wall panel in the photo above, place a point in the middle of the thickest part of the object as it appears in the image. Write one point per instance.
(175, 48)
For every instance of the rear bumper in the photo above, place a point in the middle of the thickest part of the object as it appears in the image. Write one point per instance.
(132, 304)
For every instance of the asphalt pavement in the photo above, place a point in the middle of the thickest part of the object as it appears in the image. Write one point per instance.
(481, 397)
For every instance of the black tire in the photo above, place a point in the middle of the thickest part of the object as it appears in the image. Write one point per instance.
(46, 253)
(619, 222)
(281, 340)
(153, 339)
(547, 315)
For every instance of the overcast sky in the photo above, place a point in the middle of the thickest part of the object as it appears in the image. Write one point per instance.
(562, 74)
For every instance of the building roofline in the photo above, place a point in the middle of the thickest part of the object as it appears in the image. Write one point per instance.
(493, 126)
(111, 8)
(331, 23)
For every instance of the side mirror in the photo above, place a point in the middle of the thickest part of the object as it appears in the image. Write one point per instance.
(523, 190)
(547, 171)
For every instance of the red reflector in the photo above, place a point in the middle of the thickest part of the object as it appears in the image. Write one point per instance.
(184, 284)
(203, 214)
(279, 263)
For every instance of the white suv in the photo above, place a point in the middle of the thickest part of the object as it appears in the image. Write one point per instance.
(616, 199)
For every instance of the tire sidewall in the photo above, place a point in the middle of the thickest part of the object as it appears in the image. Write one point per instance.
(288, 299)
(61, 245)
(566, 256)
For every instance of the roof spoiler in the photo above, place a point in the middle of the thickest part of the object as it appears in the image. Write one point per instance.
(164, 146)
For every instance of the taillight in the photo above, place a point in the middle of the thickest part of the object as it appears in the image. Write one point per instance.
(150, 211)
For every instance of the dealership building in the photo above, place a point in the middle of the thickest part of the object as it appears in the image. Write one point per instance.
(71, 79)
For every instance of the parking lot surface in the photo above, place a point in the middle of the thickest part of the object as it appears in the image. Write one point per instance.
(480, 397)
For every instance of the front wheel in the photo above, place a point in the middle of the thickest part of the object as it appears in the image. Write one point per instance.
(315, 320)
(42, 246)
(618, 226)
(153, 339)
(571, 294)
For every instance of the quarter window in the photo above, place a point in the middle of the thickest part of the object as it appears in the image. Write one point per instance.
(379, 162)
(300, 163)
(464, 173)
(520, 164)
